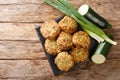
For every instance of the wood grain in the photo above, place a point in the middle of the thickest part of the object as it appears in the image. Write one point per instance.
(21, 50)
(40, 70)
(27, 13)
(6, 2)
(33, 69)
(107, 71)
(41, 12)
(24, 68)
(26, 31)
(18, 31)
(33, 50)
(22, 56)
(20, 41)
(71, 1)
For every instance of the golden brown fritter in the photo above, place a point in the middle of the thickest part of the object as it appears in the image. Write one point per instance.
(64, 61)
(68, 24)
(51, 47)
(64, 41)
(79, 54)
(81, 39)
(50, 29)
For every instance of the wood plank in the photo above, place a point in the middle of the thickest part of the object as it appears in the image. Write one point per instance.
(114, 52)
(16, 39)
(40, 70)
(19, 42)
(28, 12)
(18, 31)
(20, 2)
(99, 2)
(21, 50)
(26, 31)
(35, 70)
(24, 68)
(115, 31)
(33, 50)
(107, 71)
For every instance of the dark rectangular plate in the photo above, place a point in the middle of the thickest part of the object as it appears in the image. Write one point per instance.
(51, 58)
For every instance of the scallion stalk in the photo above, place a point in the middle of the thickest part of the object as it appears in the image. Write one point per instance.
(86, 25)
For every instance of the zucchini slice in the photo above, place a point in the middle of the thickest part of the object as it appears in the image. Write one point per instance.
(92, 16)
(101, 52)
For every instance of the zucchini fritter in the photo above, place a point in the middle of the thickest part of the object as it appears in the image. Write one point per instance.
(50, 29)
(51, 47)
(68, 24)
(64, 41)
(64, 61)
(81, 39)
(79, 54)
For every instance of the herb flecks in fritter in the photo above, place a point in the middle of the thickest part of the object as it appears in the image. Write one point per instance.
(64, 41)
(50, 29)
(68, 24)
(81, 39)
(64, 61)
(51, 47)
(79, 54)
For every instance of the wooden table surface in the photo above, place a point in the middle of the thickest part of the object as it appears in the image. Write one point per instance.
(22, 56)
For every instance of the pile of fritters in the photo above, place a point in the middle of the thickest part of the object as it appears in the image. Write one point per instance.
(66, 42)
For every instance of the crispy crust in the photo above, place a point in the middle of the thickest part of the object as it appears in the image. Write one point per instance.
(68, 24)
(64, 61)
(51, 47)
(50, 29)
(64, 41)
(81, 39)
(79, 54)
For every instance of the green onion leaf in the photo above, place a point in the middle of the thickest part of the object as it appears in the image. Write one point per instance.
(86, 25)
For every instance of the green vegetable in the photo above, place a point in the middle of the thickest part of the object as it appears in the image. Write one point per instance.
(101, 52)
(92, 16)
(86, 25)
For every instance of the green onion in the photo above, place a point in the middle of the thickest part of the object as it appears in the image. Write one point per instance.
(96, 37)
(86, 25)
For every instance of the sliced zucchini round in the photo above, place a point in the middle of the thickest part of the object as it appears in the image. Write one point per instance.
(98, 58)
(101, 52)
(83, 9)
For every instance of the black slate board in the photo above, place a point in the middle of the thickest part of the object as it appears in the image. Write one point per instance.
(51, 58)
